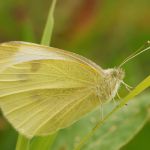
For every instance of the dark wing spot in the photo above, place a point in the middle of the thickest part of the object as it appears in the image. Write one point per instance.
(36, 97)
(23, 77)
(35, 65)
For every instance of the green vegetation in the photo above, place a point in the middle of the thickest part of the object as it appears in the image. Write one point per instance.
(104, 32)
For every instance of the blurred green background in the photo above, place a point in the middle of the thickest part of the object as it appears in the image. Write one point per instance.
(105, 31)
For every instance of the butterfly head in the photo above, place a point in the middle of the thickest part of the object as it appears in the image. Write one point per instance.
(113, 78)
(117, 73)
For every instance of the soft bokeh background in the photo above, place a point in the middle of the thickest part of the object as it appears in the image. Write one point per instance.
(106, 31)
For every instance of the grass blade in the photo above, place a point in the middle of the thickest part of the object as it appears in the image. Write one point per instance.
(22, 143)
(47, 34)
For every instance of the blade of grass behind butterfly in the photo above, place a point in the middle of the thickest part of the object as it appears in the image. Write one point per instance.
(39, 143)
(22, 143)
(42, 143)
(138, 89)
(46, 142)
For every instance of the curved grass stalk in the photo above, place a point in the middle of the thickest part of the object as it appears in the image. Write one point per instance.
(47, 34)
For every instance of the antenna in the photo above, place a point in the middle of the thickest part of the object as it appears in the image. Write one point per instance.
(136, 53)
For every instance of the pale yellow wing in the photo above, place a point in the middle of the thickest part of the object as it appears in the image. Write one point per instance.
(45, 89)
(43, 112)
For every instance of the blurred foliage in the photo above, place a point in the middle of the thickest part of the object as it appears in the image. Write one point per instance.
(104, 31)
(115, 133)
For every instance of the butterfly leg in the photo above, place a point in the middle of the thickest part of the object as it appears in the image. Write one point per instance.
(128, 87)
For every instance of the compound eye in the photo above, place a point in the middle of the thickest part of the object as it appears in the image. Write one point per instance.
(114, 73)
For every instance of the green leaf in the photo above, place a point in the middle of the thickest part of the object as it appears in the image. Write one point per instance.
(122, 126)
(116, 132)
(141, 140)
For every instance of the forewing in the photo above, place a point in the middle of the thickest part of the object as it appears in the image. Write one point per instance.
(45, 74)
(42, 90)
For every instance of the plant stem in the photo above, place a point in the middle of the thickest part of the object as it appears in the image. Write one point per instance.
(47, 34)
(22, 143)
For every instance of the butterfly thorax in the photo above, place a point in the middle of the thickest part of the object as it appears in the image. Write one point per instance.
(110, 84)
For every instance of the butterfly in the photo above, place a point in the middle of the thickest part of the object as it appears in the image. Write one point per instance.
(44, 89)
